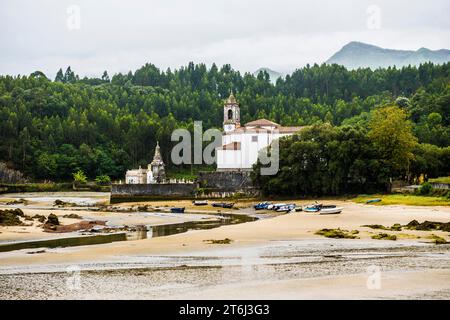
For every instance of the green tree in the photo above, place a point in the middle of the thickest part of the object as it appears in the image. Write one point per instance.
(391, 134)
(59, 76)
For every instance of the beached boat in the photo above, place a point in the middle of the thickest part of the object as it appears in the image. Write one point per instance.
(321, 209)
(227, 205)
(177, 209)
(262, 205)
(330, 210)
(373, 200)
(278, 205)
(298, 208)
(312, 208)
(200, 202)
(286, 208)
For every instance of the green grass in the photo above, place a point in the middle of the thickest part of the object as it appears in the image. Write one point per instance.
(186, 172)
(405, 199)
(440, 180)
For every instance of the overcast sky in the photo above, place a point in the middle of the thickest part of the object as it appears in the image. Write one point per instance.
(118, 36)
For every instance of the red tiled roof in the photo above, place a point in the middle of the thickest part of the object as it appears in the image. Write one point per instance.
(262, 122)
(280, 129)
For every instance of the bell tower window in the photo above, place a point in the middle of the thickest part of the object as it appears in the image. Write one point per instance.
(230, 114)
(231, 117)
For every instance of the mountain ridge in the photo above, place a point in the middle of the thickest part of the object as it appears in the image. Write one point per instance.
(357, 54)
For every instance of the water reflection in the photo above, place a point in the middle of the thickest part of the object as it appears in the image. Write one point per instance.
(170, 229)
(141, 232)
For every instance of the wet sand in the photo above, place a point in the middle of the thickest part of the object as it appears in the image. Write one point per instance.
(295, 263)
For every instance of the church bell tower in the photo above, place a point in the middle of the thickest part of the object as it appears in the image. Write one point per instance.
(231, 114)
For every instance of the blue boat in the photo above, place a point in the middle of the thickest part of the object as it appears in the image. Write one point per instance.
(262, 205)
(177, 210)
(373, 200)
(312, 208)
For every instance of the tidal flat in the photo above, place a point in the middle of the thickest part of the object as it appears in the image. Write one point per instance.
(265, 257)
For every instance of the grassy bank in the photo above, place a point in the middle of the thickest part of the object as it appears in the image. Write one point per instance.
(404, 199)
(187, 172)
(440, 180)
(35, 187)
(48, 187)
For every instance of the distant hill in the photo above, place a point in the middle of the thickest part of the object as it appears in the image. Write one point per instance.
(274, 75)
(357, 54)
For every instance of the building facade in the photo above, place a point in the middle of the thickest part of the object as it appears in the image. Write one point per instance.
(241, 144)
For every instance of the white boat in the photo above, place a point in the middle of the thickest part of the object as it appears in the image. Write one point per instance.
(200, 202)
(331, 210)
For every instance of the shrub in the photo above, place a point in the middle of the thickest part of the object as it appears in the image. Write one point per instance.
(103, 179)
(425, 189)
(79, 177)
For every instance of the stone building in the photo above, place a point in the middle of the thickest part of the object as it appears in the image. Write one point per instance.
(155, 172)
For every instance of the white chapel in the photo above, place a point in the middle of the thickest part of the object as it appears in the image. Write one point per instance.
(241, 144)
(155, 172)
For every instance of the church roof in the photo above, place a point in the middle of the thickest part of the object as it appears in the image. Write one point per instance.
(260, 126)
(231, 99)
(261, 122)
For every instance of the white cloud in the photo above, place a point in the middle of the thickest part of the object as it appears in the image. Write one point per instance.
(282, 35)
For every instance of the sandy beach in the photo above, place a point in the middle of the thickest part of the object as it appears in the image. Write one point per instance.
(287, 242)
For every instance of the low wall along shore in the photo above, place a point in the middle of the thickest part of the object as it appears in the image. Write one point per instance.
(209, 185)
(134, 192)
(226, 184)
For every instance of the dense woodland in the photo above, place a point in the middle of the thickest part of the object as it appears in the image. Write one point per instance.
(103, 126)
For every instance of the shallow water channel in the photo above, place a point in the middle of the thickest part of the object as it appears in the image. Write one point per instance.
(90, 238)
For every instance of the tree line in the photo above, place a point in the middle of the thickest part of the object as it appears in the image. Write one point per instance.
(105, 126)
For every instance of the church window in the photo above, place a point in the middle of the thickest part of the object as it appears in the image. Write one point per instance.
(230, 114)
(254, 138)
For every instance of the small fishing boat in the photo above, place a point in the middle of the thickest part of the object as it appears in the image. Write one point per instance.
(200, 202)
(278, 205)
(323, 209)
(227, 205)
(286, 208)
(218, 204)
(312, 208)
(177, 209)
(262, 205)
(330, 210)
(373, 200)
(298, 208)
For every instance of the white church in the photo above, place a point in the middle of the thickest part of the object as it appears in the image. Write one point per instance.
(239, 150)
(241, 144)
